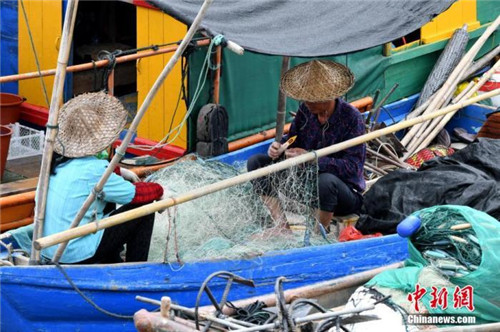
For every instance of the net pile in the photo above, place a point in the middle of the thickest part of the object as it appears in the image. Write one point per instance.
(229, 224)
(444, 231)
(448, 241)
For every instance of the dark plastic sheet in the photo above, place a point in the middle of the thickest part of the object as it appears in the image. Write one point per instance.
(470, 177)
(308, 27)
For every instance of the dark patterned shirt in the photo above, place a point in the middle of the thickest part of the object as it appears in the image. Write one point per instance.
(345, 123)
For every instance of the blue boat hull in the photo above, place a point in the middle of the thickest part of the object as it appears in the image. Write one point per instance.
(40, 298)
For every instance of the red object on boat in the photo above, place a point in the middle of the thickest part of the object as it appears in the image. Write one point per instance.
(5, 134)
(39, 115)
(350, 233)
(11, 110)
(417, 159)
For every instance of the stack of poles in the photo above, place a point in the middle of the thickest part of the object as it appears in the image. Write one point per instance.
(422, 134)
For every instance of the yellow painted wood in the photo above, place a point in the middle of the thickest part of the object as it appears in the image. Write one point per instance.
(45, 20)
(443, 26)
(154, 27)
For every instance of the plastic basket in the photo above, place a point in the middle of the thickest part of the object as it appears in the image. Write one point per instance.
(25, 142)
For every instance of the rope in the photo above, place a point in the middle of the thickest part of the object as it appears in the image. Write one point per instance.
(166, 140)
(111, 57)
(35, 54)
(86, 298)
(253, 313)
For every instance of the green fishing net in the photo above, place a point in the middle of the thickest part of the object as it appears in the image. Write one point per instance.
(228, 224)
(462, 245)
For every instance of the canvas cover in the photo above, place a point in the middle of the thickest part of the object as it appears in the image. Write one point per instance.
(469, 177)
(308, 27)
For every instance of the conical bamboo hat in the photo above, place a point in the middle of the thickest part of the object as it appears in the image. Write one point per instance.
(317, 81)
(88, 124)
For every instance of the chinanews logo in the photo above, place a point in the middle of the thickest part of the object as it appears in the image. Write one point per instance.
(439, 299)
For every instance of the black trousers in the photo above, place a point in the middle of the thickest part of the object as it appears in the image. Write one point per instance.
(136, 234)
(334, 195)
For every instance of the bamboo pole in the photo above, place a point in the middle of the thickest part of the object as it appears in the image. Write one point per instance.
(50, 138)
(464, 91)
(454, 77)
(98, 64)
(208, 189)
(482, 62)
(429, 133)
(416, 136)
(381, 104)
(281, 113)
(416, 112)
(133, 126)
(433, 131)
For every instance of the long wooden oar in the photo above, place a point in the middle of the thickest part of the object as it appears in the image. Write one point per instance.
(50, 138)
(208, 189)
(135, 123)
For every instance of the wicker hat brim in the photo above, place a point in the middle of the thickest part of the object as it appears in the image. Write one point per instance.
(88, 124)
(317, 81)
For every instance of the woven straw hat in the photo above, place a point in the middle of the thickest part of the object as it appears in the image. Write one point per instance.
(88, 124)
(317, 81)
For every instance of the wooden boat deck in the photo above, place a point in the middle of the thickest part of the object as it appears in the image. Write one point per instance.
(21, 175)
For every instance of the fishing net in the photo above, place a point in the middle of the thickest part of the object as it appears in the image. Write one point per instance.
(231, 223)
(460, 244)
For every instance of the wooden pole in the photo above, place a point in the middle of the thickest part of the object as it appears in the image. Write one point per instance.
(482, 62)
(208, 189)
(310, 291)
(386, 159)
(432, 131)
(218, 63)
(111, 83)
(98, 64)
(50, 138)
(429, 133)
(374, 169)
(454, 78)
(416, 112)
(133, 126)
(381, 104)
(281, 113)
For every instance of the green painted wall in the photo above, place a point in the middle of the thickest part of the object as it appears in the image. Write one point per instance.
(487, 10)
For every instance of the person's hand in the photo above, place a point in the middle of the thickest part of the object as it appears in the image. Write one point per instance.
(294, 152)
(129, 175)
(273, 150)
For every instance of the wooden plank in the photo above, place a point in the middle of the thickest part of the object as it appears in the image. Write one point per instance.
(18, 187)
(27, 167)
